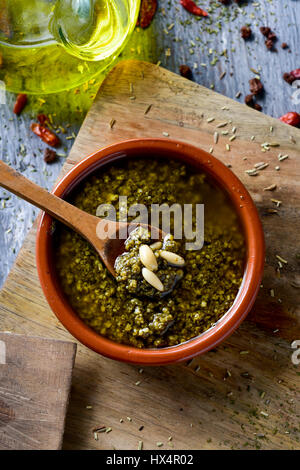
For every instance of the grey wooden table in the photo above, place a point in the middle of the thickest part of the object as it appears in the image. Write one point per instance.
(209, 46)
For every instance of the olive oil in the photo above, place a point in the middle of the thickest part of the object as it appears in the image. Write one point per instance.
(54, 45)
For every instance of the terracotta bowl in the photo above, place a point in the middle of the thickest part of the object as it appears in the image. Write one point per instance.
(250, 224)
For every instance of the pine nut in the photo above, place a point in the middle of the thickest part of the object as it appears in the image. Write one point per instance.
(172, 258)
(152, 279)
(147, 257)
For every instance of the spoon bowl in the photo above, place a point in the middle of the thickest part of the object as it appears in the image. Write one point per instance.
(102, 234)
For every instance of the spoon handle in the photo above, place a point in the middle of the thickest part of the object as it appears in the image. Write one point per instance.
(61, 210)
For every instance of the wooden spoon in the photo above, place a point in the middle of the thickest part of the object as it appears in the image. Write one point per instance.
(102, 234)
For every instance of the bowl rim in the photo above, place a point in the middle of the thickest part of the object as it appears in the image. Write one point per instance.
(224, 327)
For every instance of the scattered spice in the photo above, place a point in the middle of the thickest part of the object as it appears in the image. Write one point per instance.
(140, 446)
(281, 259)
(20, 103)
(222, 124)
(148, 109)
(45, 134)
(270, 36)
(99, 429)
(284, 45)
(249, 101)
(292, 118)
(112, 123)
(278, 203)
(256, 87)
(43, 119)
(147, 12)
(191, 7)
(272, 187)
(252, 172)
(154, 330)
(261, 166)
(49, 155)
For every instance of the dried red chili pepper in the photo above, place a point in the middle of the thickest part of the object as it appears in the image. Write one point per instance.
(270, 35)
(293, 119)
(42, 118)
(292, 76)
(45, 134)
(191, 7)
(147, 12)
(20, 103)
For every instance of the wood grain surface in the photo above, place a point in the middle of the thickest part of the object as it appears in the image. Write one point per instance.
(245, 393)
(35, 381)
(209, 46)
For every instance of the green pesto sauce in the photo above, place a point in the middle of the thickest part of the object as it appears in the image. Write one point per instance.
(208, 283)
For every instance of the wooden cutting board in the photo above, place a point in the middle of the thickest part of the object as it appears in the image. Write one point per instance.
(244, 394)
(35, 380)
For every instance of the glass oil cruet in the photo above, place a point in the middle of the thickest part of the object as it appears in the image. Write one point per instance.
(53, 45)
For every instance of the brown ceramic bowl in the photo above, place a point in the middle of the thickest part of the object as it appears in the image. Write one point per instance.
(249, 221)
